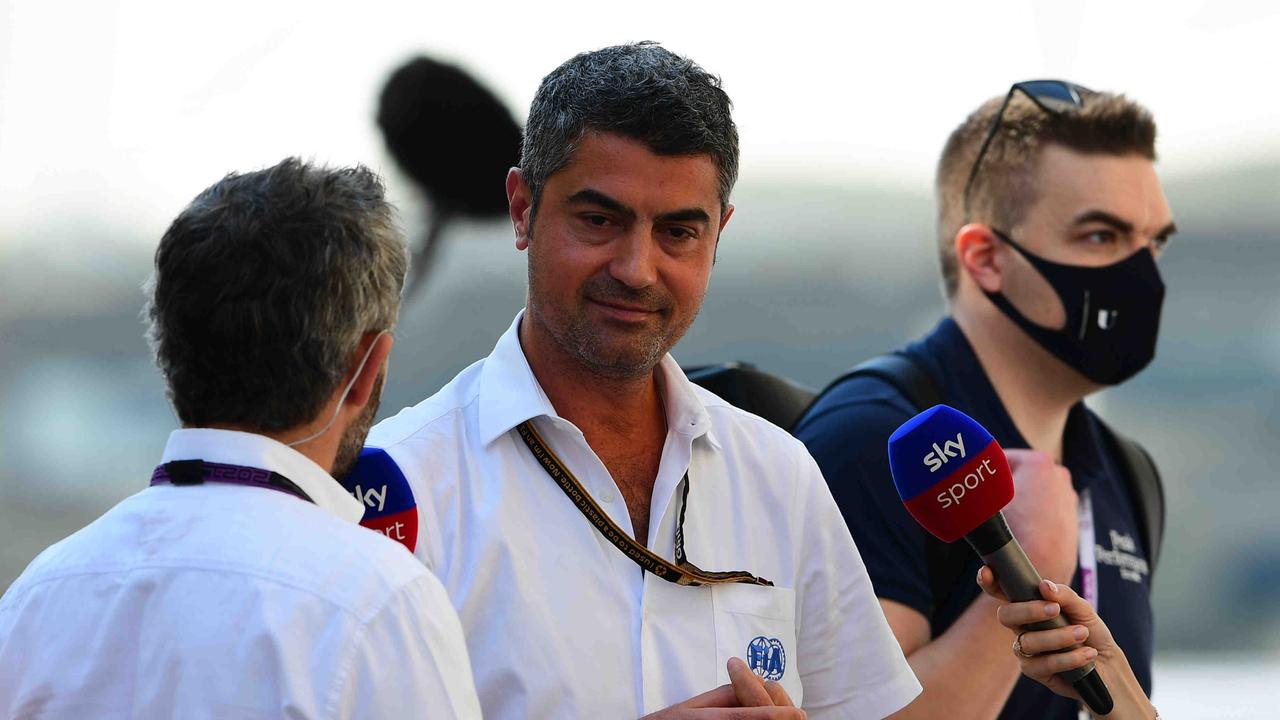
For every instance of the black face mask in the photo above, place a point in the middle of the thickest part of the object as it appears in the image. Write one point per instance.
(1113, 314)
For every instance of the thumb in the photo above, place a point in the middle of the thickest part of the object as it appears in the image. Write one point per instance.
(749, 688)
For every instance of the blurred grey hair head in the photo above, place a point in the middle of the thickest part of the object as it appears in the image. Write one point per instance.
(641, 91)
(263, 288)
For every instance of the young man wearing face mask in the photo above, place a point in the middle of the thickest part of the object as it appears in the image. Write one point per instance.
(1050, 222)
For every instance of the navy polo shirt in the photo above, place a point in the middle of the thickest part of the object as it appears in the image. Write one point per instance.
(847, 432)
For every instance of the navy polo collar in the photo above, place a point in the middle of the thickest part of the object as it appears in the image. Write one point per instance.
(950, 358)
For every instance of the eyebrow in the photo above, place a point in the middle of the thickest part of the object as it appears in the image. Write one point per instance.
(1123, 226)
(1104, 217)
(686, 215)
(588, 196)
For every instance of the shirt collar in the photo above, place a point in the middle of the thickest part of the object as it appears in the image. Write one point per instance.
(686, 414)
(510, 393)
(964, 378)
(232, 447)
(1082, 445)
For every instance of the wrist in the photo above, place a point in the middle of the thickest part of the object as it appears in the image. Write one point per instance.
(1131, 701)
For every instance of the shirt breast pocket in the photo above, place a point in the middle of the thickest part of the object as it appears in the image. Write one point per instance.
(758, 624)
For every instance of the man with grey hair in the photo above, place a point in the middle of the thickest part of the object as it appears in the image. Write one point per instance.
(574, 484)
(238, 584)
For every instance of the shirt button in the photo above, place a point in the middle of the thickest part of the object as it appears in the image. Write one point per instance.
(608, 496)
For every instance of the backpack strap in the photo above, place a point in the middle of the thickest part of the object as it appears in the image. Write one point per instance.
(947, 562)
(900, 372)
(1145, 488)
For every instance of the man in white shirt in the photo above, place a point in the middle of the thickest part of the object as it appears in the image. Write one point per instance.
(239, 585)
(612, 535)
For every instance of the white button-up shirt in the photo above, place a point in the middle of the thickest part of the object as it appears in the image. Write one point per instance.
(227, 601)
(561, 624)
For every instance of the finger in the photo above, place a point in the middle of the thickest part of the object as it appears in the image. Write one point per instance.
(1042, 667)
(747, 685)
(1079, 611)
(778, 694)
(723, 696)
(680, 712)
(987, 581)
(1071, 602)
(1048, 641)
(1015, 615)
(722, 704)
(759, 713)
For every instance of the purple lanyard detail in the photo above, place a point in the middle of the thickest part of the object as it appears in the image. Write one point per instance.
(195, 472)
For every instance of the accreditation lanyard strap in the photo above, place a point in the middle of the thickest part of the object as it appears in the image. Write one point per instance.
(1088, 566)
(682, 572)
(1088, 550)
(195, 472)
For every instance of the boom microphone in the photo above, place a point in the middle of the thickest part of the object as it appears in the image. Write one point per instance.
(456, 140)
(954, 479)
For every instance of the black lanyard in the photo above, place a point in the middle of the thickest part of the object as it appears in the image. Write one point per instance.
(682, 572)
(195, 472)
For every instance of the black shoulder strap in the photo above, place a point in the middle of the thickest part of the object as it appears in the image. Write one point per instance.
(898, 370)
(1145, 488)
(945, 564)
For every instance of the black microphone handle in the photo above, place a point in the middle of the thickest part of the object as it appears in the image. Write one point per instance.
(999, 549)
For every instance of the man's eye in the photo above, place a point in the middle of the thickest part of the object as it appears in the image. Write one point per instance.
(596, 220)
(1160, 242)
(1101, 237)
(679, 233)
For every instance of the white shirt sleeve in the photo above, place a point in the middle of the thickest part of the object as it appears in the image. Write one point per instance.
(850, 663)
(409, 660)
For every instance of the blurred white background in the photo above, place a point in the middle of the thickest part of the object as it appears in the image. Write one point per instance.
(114, 114)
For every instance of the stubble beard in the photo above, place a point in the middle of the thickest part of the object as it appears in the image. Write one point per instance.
(589, 344)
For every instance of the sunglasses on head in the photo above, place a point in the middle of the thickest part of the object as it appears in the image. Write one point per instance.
(1052, 96)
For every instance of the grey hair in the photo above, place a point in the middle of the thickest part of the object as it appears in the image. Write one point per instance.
(263, 288)
(642, 91)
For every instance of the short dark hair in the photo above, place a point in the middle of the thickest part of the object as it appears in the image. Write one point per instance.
(1002, 191)
(641, 91)
(263, 288)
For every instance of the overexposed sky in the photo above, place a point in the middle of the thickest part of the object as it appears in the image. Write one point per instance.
(119, 111)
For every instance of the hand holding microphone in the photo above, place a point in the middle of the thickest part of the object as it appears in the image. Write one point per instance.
(1053, 651)
(954, 479)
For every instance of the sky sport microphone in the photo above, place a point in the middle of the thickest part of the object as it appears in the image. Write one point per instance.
(954, 479)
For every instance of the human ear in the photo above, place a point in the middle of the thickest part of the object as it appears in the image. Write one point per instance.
(362, 387)
(724, 220)
(519, 206)
(975, 247)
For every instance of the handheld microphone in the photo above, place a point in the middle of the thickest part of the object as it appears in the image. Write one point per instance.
(954, 479)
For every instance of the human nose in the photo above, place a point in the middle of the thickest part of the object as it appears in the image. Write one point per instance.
(634, 263)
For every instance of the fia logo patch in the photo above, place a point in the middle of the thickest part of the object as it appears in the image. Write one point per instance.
(767, 658)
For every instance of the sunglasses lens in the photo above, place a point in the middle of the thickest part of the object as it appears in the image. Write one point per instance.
(1052, 95)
